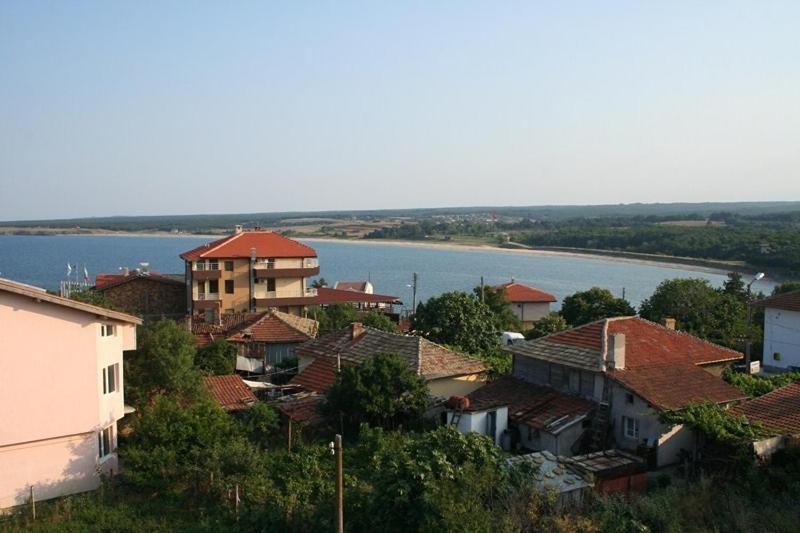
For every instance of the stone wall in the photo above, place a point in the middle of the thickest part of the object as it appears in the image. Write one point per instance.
(149, 298)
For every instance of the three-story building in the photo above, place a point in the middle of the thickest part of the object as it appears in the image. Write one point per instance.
(251, 270)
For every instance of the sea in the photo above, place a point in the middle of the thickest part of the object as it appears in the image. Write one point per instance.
(42, 260)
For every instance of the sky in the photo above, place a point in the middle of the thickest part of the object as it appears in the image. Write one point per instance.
(160, 107)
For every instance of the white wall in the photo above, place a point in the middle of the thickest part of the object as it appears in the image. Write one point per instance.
(476, 422)
(530, 312)
(781, 335)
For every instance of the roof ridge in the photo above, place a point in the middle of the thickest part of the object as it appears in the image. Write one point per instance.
(225, 240)
(280, 315)
(686, 334)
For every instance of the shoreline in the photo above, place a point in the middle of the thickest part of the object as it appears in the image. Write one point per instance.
(674, 262)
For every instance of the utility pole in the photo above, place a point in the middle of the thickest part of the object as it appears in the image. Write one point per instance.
(483, 295)
(337, 450)
(757, 277)
(414, 294)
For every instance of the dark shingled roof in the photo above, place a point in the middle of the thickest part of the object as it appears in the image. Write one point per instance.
(533, 405)
(426, 358)
(788, 301)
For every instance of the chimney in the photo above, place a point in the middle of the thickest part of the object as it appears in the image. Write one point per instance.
(238, 228)
(616, 351)
(356, 330)
(668, 323)
(144, 268)
(125, 271)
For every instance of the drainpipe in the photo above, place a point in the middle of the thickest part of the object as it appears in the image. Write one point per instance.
(252, 274)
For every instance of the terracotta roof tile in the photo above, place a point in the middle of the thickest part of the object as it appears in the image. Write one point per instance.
(534, 405)
(302, 409)
(230, 391)
(107, 281)
(266, 243)
(517, 292)
(659, 362)
(358, 286)
(778, 410)
(267, 327)
(326, 295)
(788, 301)
(318, 376)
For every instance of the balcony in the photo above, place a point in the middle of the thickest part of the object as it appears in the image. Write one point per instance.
(310, 291)
(264, 270)
(208, 296)
(204, 271)
(266, 264)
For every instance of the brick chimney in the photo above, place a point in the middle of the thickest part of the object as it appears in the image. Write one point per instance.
(616, 351)
(668, 323)
(356, 330)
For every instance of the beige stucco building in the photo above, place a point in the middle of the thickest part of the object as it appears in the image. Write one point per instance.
(251, 270)
(61, 395)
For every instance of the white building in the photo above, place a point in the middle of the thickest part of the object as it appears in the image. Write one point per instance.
(781, 330)
(61, 377)
(528, 303)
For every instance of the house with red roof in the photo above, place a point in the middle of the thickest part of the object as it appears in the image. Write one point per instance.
(446, 371)
(230, 392)
(632, 369)
(528, 303)
(262, 339)
(778, 412)
(781, 330)
(251, 270)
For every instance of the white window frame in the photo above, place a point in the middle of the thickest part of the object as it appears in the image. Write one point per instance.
(108, 330)
(105, 442)
(111, 377)
(630, 427)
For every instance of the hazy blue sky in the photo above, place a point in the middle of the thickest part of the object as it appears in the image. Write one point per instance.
(169, 107)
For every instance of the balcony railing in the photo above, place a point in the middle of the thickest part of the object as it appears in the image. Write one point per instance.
(264, 264)
(206, 266)
(208, 296)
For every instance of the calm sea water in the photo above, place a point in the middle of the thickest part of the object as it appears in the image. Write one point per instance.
(41, 260)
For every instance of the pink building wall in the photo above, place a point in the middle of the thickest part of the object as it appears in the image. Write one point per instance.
(52, 404)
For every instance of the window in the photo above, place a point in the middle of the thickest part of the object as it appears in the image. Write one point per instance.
(228, 266)
(491, 424)
(228, 286)
(105, 441)
(630, 427)
(111, 378)
(106, 330)
(213, 286)
(201, 287)
(628, 397)
(270, 284)
(776, 356)
(213, 264)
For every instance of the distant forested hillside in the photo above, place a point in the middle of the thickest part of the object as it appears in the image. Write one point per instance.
(206, 223)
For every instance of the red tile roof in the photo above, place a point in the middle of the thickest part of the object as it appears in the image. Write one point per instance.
(106, 281)
(534, 405)
(358, 286)
(326, 295)
(266, 243)
(303, 409)
(778, 410)
(517, 292)
(660, 363)
(230, 391)
(266, 327)
(788, 301)
(317, 376)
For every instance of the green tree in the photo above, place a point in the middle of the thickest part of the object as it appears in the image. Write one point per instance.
(260, 423)
(495, 299)
(786, 286)
(340, 315)
(547, 325)
(163, 363)
(92, 297)
(319, 283)
(457, 319)
(382, 390)
(217, 358)
(596, 303)
(700, 310)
